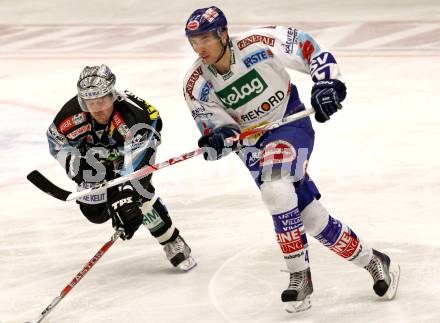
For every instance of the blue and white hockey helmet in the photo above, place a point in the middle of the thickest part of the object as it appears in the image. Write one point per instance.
(205, 20)
(95, 82)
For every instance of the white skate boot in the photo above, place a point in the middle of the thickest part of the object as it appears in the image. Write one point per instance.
(296, 297)
(179, 254)
(385, 275)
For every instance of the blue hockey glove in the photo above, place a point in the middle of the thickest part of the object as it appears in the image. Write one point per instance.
(327, 96)
(215, 142)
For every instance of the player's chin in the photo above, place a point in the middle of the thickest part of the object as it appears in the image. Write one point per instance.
(207, 59)
(101, 118)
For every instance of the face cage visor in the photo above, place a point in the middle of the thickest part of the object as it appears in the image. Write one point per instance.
(83, 101)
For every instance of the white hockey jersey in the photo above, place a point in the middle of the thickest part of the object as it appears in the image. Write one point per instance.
(257, 88)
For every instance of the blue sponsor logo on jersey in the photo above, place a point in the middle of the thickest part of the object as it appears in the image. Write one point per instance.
(321, 66)
(331, 233)
(204, 91)
(287, 221)
(291, 39)
(111, 141)
(200, 113)
(256, 57)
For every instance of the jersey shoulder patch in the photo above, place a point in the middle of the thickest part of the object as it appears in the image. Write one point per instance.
(194, 80)
(71, 121)
(255, 36)
(143, 104)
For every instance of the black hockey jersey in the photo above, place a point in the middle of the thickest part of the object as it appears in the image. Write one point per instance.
(128, 141)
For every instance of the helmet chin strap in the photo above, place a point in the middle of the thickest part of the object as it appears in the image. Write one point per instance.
(223, 50)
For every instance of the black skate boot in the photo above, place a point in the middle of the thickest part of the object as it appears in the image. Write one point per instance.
(385, 275)
(179, 254)
(296, 297)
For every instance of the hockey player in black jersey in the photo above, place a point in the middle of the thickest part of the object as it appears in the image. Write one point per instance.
(101, 134)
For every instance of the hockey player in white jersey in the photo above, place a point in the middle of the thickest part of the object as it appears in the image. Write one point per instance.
(239, 83)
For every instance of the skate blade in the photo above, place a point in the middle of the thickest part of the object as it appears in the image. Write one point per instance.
(187, 264)
(394, 284)
(298, 306)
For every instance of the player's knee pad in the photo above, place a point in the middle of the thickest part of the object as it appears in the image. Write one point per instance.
(158, 222)
(315, 217)
(95, 213)
(279, 195)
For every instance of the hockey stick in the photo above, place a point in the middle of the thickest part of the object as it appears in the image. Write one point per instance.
(79, 275)
(40, 181)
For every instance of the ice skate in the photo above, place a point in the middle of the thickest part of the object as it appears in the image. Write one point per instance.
(179, 254)
(385, 275)
(296, 297)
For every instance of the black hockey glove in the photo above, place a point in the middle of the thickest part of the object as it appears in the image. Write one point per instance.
(215, 142)
(124, 209)
(89, 167)
(327, 96)
(76, 165)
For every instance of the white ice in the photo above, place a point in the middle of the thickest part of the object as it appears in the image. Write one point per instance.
(376, 163)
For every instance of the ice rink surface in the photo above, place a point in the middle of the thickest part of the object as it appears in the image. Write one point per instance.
(376, 163)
